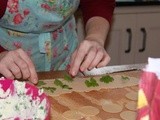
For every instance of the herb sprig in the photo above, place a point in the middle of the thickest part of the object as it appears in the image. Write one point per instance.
(91, 82)
(59, 83)
(125, 78)
(50, 89)
(68, 78)
(106, 79)
(41, 83)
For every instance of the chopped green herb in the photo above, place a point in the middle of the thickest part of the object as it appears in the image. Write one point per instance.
(41, 108)
(50, 89)
(17, 108)
(40, 83)
(60, 84)
(68, 78)
(66, 87)
(125, 78)
(106, 79)
(91, 83)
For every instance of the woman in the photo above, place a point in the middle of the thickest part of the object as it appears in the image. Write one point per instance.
(40, 35)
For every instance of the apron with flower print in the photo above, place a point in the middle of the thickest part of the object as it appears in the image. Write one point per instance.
(45, 29)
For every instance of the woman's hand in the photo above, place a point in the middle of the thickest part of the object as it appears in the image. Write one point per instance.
(17, 64)
(91, 52)
(88, 55)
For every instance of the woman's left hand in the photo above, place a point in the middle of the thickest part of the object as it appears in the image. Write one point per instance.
(89, 54)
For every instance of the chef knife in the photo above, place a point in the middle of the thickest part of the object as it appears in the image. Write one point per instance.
(113, 69)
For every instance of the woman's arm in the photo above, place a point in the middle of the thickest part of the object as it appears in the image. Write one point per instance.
(91, 52)
(97, 16)
(97, 29)
(102, 8)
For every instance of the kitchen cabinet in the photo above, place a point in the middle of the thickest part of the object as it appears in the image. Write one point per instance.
(148, 36)
(134, 35)
(120, 41)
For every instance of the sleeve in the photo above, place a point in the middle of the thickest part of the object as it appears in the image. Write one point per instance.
(102, 8)
(3, 4)
(2, 49)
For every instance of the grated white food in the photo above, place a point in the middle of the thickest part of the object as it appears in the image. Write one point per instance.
(21, 106)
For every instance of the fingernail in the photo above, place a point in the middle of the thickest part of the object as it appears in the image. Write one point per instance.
(89, 69)
(96, 66)
(35, 81)
(73, 73)
(82, 69)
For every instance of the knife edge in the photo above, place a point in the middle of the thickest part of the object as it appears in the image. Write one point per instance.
(114, 69)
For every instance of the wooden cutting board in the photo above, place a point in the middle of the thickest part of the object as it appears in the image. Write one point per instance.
(74, 100)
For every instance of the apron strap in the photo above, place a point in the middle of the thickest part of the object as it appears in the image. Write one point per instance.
(45, 48)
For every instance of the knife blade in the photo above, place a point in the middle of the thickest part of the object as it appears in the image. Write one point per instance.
(113, 69)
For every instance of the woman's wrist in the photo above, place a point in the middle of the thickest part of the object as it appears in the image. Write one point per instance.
(96, 39)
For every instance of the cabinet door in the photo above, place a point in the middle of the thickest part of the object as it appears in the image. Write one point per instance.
(148, 37)
(120, 45)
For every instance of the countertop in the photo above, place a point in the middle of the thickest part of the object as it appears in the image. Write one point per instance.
(72, 101)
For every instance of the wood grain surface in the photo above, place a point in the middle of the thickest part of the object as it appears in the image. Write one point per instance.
(76, 100)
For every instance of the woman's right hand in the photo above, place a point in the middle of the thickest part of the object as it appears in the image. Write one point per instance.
(17, 64)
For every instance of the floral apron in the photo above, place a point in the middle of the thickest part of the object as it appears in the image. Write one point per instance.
(45, 29)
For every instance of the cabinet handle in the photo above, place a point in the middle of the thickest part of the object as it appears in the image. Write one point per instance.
(143, 30)
(129, 40)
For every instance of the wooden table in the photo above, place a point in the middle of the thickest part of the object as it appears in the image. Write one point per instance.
(51, 74)
(74, 100)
